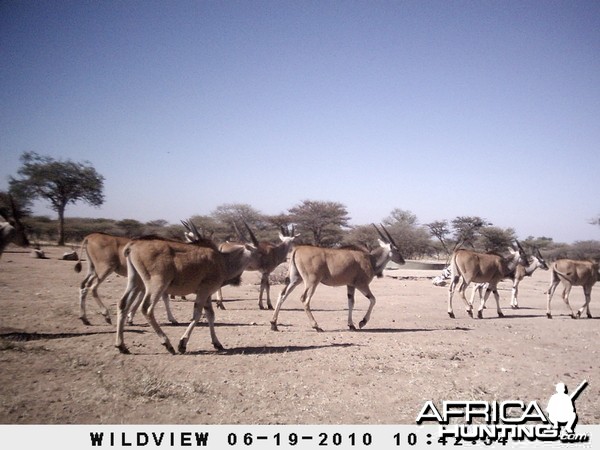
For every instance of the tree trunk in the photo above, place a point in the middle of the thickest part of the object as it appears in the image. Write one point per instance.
(61, 225)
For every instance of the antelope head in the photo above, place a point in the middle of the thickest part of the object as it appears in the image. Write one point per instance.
(287, 236)
(519, 254)
(388, 243)
(537, 255)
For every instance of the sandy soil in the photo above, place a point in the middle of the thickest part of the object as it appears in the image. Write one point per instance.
(56, 370)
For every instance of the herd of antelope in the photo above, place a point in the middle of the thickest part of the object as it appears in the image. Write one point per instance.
(157, 268)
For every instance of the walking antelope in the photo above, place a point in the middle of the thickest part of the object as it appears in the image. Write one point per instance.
(12, 230)
(571, 273)
(270, 256)
(170, 267)
(225, 247)
(105, 256)
(472, 267)
(353, 267)
(517, 276)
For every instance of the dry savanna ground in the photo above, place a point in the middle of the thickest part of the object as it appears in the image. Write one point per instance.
(56, 370)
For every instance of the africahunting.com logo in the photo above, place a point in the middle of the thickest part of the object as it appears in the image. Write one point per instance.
(511, 420)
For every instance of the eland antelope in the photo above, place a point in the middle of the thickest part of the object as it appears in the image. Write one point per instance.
(270, 256)
(105, 256)
(571, 273)
(12, 230)
(472, 267)
(517, 276)
(353, 267)
(169, 267)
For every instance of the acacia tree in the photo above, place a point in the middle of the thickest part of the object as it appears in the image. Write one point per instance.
(467, 228)
(324, 220)
(440, 230)
(495, 239)
(412, 238)
(59, 182)
(229, 214)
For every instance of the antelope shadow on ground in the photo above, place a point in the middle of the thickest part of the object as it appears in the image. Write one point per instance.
(266, 350)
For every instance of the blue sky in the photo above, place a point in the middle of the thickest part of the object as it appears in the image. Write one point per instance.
(442, 108)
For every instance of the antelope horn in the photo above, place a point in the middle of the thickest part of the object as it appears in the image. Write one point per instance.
(252, 236)
(237, 231)
(519, 246)
(383, 238)
(388, 235)
(189, 225)
(186, 225)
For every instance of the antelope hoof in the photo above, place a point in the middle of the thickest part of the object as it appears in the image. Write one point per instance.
(220, 306)
(274, 326)
(85, 321)
(362, 323)
(549, 316)
(352, 327)
(108, 321)
(181, 348)
(479, 314)
(260, 306)
(218, 346)
(500, 314)
(124, 350)
(470, 313)
(270, 307)
(589, 315)
(576, 316)
(170, 348)
(451, 314)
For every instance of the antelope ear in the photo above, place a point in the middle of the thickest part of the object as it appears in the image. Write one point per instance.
(384, 244)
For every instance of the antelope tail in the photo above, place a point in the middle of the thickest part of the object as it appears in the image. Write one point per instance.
(291, 268)
(77, 267)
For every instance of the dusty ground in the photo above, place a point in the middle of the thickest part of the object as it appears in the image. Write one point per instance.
(54, 369)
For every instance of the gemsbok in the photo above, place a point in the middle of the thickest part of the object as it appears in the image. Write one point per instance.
(105, 256)
(12, 230)
(164, 266)
(353, 267)
(571, 273)
(472, 267)
(270, 256)
(517, 276)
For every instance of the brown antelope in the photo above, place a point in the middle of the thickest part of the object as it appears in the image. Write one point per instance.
(472, 267)
(105, 256)
(571, 273)
(12, 230)
(517, 276)
(270, 256)
(353, 267)
(169, 267)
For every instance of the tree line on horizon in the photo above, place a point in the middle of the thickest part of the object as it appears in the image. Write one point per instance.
(323, 223)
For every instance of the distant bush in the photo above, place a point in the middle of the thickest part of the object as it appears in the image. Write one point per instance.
(578, 250)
